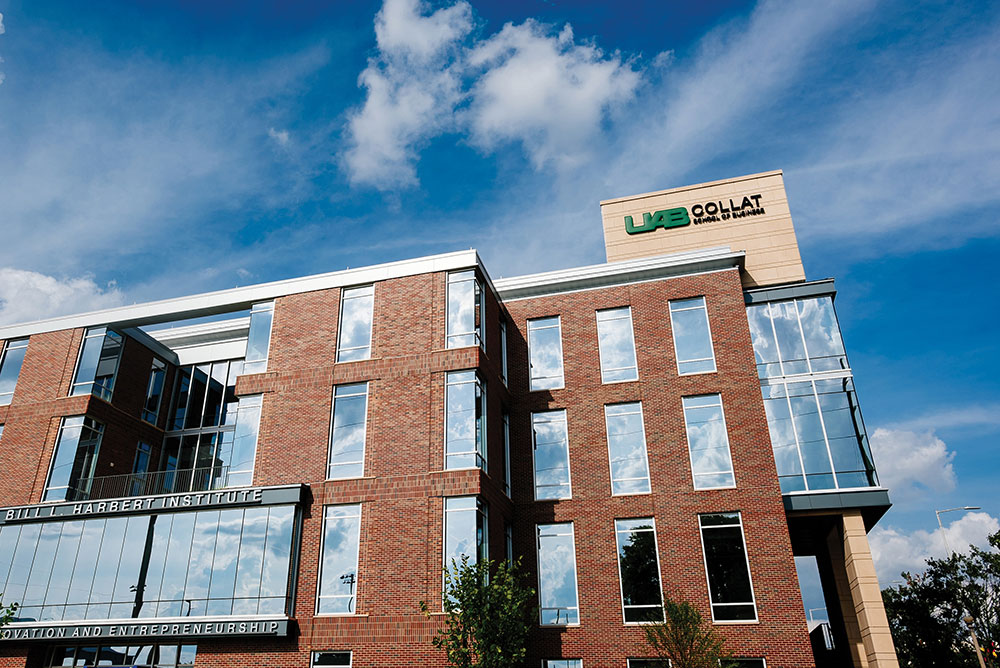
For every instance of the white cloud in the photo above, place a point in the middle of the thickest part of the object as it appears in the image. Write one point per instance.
(895, 551)
(280, 136)
(2, 29)
(29, 295)
(910, 464)
(976, 416)
(545, 91)
(412, 90)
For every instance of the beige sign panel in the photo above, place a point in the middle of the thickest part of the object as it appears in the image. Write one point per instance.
(748, 213)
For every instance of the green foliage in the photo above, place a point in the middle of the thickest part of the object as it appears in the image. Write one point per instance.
(925, 613)
(685, 639)
(7, 613)
(489, 613)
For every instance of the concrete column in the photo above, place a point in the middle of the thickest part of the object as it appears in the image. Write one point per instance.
(842, 587)
(880, 652)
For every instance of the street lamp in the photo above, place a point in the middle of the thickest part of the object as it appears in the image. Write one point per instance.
(975, 641)
(941, 526)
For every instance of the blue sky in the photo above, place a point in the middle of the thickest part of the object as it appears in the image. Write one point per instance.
(152, 149)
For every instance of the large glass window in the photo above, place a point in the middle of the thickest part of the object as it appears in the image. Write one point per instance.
(627, 449)
(708, 442)
(465, 310)
(506, 453)
(551, 455)
(347, 435)
(545, 357)
(354, 340)
(98, 363)
(727, 568)
(338, 582)
(331, 659)
(564, 663)
(616, 344)
(259, 338)
(503, 350)
(466, 522)
(11, 358)
(796, 337)
(639, 569)
(557, 595)
(154, 391)
(212, 437)
(465, 420)
(818, 435)
(692, 336)
(73, 460)
(648, 663)
(161, 656)
(214, 562)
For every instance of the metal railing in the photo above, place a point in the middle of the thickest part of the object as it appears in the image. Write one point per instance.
(153, 482)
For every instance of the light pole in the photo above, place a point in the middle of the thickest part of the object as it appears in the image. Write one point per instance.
(941, 526)
(975, 641)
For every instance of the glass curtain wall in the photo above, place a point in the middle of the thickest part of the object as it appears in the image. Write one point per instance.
(141, 656)
(98, 363)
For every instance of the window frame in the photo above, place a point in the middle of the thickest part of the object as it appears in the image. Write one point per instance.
(478, 310)
(534, 466)
(708, 326)
(99, 428)
(600, 353)
(357, 560)
(481, 444)
(729, 445)
(505, 417)
(562, 354)
(315, 655)
(259, 365)
(645, 450)
(576, 575)
(340, 324)
(364, 439)
(659, 570)
(8, 345)
(153, 369)
(482, 514)
(503, 350)
(106, 394)
(746, 557)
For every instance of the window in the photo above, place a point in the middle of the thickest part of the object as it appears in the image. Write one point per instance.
(545, 358)
(563, 663)
(465, 420)
(98, 363)
(348, 431)
(465, 310)
(154, 391)
(616, 344)
(551, 455)
(354, 340)
(140, 467)
(338, 579)
(692, 336)
(259, 338)
(11, 358)
(506, 454)
(466, 533)
(727, 568)
(639, 570)
(503, 350)
(627, 449)
(331, 659)
(74, 459)
(234, 561)
(708, 442)
(162, 656)
(796, 337)
(508, 534)
(212, 437)
(557, 596)
(649, 663)
(818, 435)
(747, 663)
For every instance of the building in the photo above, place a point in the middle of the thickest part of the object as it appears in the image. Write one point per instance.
(275, 475)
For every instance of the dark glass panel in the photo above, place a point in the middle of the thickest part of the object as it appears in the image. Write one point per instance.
(181, 398)
(196, 400)
(728, 578)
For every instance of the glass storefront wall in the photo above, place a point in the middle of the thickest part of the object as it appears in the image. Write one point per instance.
(209, 562)
(142, 656)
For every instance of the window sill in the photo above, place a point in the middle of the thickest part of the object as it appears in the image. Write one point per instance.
(698, 373)
(735, 621)
(328, 615)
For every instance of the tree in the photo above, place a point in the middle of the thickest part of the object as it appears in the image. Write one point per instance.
(489, 613)
(7, 613)
(926, 612)
(685, 640)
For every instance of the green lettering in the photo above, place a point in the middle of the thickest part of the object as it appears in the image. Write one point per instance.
(666, 218)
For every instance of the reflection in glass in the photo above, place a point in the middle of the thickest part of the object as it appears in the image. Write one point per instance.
(551, 455)
(465, 420)
(728, 570)
(142, 656)
(558, 603)
(354, 339)
(339, 564)
(545, 357)
(277, 557)
(347, 437)
(331, 659)
(708, 442)
(98, 363)
(465, 308)
(11, 358)
(259, 337)
(74, 459)
(796, 337)
(627, 449)
(639, 569)
(564, 663)
(616, 344)
(692, 336)
(466, 521)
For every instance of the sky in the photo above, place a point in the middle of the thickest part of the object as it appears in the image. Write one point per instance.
(154, 149)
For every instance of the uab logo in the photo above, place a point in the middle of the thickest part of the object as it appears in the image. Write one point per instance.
(650, 221)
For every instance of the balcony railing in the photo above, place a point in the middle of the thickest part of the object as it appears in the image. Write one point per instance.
(153, 482)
